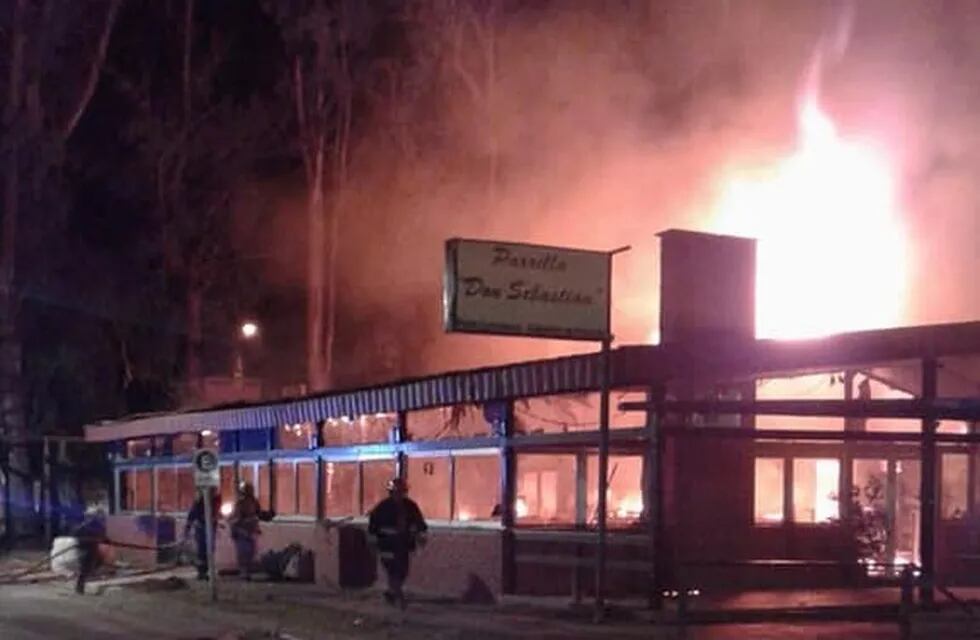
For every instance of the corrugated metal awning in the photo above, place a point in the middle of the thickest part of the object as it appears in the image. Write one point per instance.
(544, 377)
(631, 366)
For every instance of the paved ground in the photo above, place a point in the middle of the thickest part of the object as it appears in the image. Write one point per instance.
(171, 606)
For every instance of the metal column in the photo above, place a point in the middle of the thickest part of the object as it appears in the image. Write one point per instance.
(600, 556)
(508, 494)
(927, 488)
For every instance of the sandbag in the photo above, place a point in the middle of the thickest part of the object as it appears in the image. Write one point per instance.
(65, 555)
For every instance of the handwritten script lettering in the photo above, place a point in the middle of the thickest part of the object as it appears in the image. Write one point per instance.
(548, 261)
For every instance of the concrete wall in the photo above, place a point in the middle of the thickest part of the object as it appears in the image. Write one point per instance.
(457, 562)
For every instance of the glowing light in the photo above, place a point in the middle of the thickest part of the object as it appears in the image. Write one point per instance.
(249, 330)
(630, 507)
(831, 255)
(520, 508)
(464, 516)
(227, 508)
(207, 433)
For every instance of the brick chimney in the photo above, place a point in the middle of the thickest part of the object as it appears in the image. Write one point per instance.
(707, 288)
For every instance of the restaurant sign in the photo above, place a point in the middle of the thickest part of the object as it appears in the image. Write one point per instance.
(527, 290)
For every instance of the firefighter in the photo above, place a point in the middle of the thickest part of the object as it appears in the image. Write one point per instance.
(244, 521)
(396, 527)
(195, 522)
(90, 534)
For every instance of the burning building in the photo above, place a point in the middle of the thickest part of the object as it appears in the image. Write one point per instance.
(759, 461)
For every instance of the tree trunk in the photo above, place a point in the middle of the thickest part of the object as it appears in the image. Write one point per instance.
(195, 338)
(11, 398)
(316, 281)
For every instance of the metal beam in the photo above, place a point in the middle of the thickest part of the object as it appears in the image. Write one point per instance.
(966, 409)
(927, 489)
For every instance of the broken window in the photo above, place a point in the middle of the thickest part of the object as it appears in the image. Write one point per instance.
(624, 498)
(440, 423)
(572, 412)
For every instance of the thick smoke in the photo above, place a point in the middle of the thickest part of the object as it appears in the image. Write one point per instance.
(614, 121)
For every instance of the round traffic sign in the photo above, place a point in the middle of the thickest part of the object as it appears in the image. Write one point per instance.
(206, 461)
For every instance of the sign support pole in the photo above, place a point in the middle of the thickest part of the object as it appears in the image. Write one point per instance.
(209, 532)
(600, 556)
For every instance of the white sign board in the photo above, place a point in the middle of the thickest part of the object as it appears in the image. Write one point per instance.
(206, 470)
(527, 290)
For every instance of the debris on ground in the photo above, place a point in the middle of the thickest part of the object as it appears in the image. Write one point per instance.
(155, 585)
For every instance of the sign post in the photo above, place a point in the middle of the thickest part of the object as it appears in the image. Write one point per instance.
(515, 289)
(207, 478)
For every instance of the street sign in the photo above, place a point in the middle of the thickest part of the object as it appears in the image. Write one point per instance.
(206, 471)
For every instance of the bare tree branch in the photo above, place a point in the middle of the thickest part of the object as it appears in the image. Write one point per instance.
(94, 71)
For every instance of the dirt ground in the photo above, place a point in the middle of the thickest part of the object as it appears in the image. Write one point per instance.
(172, 605)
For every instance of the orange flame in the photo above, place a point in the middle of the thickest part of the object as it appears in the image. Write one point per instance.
(832, 253)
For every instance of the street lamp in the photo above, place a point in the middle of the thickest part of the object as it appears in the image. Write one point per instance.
(249, 329)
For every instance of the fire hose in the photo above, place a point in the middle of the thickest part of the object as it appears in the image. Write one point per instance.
(13, 578)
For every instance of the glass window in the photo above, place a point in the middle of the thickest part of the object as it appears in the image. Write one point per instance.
(376, 474)
(142, 448)
(768, 490)
(184, 444)
(955, 471)
(477, 487)
(818, 386)
(428, 482)
(816, 490)
(166, 489)
(186, 491)
(257, 474)
(440, 423)
(361, 430)
(574, 412)
(306, 488)
(210, 439)
(297, 436)
(253, 439)
(624, 497)
(228, 491)
(869, 484)
(263, 487)
(545, 489)
(285, 471)
(136, 490)
(340, 489)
